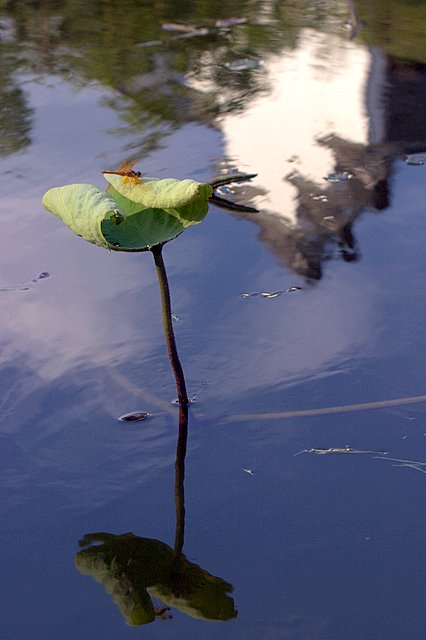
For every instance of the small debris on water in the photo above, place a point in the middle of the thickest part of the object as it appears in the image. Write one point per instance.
(135, 416)
(19, 287)
(415, 161)
(340, 176)
(190, 34)
(322, 452)
(149, 43)
(413, 464)
(193, 398)
(174, 26)
(26, 285)
(190, 400)
(244, 64)
(230, 22)
(41, 276)
(269, 294)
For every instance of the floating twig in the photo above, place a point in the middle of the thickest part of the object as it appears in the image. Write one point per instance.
(269, 294)
(322, 452)
(320, 411)
(413, 466)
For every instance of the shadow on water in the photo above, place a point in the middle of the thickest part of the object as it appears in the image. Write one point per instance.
(138, 571)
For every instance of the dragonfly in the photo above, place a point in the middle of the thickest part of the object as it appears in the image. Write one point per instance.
(126, 170)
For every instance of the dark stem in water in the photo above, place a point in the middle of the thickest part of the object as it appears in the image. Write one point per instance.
(168, 325)
(179, 480)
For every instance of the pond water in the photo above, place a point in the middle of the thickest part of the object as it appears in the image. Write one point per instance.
(325, 102)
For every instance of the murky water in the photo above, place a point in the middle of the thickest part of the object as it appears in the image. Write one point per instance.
(324, 101)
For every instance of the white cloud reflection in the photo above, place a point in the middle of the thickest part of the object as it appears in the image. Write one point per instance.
(317, 89)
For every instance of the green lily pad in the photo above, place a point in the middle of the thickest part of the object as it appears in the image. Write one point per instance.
(185, 199)
(83, 207)
(110, 220)
(142, 228)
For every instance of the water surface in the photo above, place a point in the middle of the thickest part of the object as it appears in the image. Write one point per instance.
(327, 107)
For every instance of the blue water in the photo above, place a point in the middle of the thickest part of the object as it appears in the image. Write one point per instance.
(317, 547)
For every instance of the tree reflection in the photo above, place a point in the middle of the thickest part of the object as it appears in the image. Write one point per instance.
(325, 215)
(151, 75)
(15, 114)
(157, 83)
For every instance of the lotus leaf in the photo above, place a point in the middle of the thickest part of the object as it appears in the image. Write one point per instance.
(143, 228)
(116, 220)
(185, 199)
(83, 208)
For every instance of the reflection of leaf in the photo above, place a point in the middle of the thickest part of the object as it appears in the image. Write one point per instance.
(187, 199)
(132, 569)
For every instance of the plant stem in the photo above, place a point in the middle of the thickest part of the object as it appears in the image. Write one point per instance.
(166, 311)
(179, 480)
